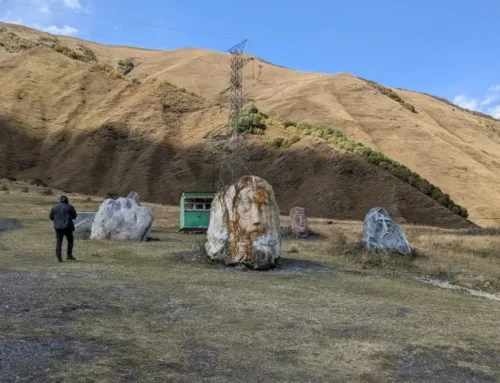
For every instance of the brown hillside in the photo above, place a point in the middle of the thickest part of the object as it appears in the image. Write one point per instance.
(82, 129)
(454, 149)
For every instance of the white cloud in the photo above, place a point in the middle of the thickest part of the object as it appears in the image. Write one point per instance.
(466, 102)
(492, 95)
(41, 17)
(64, 30)
(18, 20)
(73, 4)
(495, 111)
(489, 103)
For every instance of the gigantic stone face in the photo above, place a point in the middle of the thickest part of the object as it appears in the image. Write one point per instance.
(244, 225)
(298, 222)
(380, 232)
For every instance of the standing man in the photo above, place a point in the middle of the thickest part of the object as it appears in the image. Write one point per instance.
(63, 215)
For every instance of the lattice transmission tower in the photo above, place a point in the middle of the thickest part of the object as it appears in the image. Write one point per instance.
(234, 153)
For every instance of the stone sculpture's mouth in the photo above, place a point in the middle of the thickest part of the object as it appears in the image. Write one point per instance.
(256, 234)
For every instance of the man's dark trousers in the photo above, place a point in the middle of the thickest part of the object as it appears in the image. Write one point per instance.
(60, 234)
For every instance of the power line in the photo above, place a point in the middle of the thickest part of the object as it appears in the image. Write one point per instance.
(117, 20)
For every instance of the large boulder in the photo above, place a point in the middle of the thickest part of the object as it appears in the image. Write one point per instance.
(380, 232)
(135, 196)
(83, 224)
(244, 225)
(298, 221)
(122, 219)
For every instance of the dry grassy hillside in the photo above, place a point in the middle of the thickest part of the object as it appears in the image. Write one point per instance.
(83, 125)
(452, 148)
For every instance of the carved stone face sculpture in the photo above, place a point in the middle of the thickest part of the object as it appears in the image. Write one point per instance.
(253, 211)
(382, 233)
(298, 221)
(244, 225)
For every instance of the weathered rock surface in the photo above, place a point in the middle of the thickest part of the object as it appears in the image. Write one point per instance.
(380, 232)
(135, 196)
(122, 219)
(244, 225)
(298, 221)
(83, 224)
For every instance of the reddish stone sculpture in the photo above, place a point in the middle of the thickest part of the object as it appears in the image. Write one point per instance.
(298, 221)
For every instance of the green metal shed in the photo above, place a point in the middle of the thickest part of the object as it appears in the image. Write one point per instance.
(195, 210)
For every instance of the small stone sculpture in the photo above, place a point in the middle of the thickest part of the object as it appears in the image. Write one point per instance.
(380, 232)
(298, 222)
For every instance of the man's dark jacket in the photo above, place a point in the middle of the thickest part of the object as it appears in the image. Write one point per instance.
(63, 215)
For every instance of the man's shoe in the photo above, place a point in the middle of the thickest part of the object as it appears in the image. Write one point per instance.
(71, 259)
(59, 260)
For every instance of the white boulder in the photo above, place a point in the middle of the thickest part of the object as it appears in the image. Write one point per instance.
(122, 219)
(244, 225)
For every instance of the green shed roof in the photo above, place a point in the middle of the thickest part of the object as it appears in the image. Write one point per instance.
(197, 193)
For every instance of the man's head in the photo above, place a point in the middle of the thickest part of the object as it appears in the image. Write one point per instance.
(63, 199)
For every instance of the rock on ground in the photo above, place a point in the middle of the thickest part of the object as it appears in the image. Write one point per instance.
(380, 232)
(135, 196)
(244, 225)
(122, 219)
(298, 222)
(83, 224)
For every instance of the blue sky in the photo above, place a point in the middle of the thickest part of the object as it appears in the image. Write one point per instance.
(443, 47)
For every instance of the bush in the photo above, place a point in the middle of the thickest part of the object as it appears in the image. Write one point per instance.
(38, 182)
(47, 192)
(105, 67)
(277, 142)
(88, 54)
(391, 94)
(251, 121)
(283, 143)
(4, 188)
(25, 189)
(12, 179)
(67, 51)
(126, 66)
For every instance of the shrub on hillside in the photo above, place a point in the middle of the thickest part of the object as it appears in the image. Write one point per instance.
(251, 121)
(38, 182)
(391, 94)
(67, 51)
(126, 66)
(88, 54)
(337, 138)
(283, 143)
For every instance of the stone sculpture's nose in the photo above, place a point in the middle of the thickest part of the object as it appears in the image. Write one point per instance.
(255, 215)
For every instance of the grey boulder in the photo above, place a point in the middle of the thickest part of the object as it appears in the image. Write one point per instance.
(380, 233)
(135, 196)
(83, 224)
(122, 219)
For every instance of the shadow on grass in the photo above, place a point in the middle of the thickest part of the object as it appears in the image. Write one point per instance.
(9, 224)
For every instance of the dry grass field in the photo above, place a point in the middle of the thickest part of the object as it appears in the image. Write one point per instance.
(159, 312)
